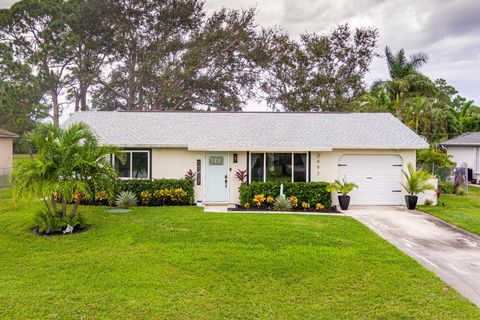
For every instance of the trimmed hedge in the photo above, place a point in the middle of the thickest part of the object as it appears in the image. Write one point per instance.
(309, 192)
(151, 186)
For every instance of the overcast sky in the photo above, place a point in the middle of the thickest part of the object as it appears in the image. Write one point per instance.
(448, 30)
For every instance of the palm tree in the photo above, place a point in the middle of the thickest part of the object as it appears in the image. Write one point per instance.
(405, 79)
(465, 119)
(70, 166)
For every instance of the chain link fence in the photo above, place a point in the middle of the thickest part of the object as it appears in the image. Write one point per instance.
(5, 177)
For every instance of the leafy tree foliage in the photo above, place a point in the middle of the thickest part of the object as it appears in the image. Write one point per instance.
(35, 32)
(318, 72)
(167, 55)
(20, 94)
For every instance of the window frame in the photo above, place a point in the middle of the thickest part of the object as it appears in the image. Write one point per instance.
(131, 151)
(307, 165)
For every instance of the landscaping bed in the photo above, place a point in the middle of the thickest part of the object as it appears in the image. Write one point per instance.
(332, 209)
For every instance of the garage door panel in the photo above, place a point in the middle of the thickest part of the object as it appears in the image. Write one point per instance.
(378, 178)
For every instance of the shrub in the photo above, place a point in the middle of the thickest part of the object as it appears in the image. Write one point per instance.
(145, 198)
(297, 192)
(163, 191)
(460, 191)
(259, 199)
(126, 199)
(282, 203)
(305, 205)
(55, 223)
(428, 202)
(45, 221)
(319, 206)
(446, 187)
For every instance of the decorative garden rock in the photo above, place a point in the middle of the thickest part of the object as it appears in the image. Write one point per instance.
(68, 229)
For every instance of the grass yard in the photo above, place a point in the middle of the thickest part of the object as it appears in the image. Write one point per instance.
(181, 263)
(462, 211)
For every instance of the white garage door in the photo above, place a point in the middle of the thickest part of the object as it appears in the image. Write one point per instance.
(378, 178)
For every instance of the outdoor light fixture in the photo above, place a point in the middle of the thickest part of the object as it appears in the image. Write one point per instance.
(235, 158)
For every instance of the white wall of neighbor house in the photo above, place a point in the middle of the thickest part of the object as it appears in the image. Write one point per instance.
(324, 165)
(173, 163)
(430, 194)
(6, 155)
(468, 154)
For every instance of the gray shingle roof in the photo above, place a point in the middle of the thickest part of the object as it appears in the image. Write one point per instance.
(6, 134)
(466, 139)
(250, 130)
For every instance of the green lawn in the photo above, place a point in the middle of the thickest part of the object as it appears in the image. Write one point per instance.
(463, 211)
(181, 263)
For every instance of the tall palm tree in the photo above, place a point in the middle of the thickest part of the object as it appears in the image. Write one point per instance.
(405, 79)
(70, 165)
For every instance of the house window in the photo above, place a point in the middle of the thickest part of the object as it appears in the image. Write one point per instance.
(257, 167)
(136, 166)
(280, 167)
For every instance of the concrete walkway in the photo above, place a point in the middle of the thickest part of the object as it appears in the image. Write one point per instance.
(450, 252)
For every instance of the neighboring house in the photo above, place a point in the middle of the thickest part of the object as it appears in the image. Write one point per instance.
(465, 149)
(6, 152)
(368, 149)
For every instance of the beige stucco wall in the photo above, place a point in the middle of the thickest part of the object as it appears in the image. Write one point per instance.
(174, 163)
(324, 165)
(466, 155)
(234, 182)
(6, 155)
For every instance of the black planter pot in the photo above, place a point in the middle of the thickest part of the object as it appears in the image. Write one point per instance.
(411, 202)
(344, 202)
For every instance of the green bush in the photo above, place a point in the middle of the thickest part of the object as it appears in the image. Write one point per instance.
(56, 223)
(447, 187)
(175, 196)
(309, 192)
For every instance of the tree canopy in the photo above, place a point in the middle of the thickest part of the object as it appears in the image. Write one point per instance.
(172, 55)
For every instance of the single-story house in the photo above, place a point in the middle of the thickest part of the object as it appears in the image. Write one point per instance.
(6, 152)
(465, 151)
(370, 149)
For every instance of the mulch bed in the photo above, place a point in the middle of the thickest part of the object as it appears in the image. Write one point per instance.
(333, 209)
(60, 233)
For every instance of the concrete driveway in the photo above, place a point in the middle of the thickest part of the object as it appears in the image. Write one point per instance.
(450, 252)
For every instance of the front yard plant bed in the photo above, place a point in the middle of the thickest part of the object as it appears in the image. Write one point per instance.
(60, 233)
(179, 263)
(333, 209)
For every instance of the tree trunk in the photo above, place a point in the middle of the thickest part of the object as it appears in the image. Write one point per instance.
(46, 205)
(64, 207)
(75, 207)
(83, 97)
(54, 203)
(56, 108)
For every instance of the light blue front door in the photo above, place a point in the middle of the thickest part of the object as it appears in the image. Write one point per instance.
(216, 177)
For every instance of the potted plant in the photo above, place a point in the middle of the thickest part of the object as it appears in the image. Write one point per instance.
(343, 188)
(416, 182)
